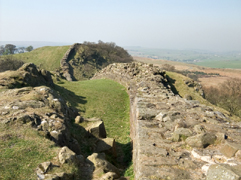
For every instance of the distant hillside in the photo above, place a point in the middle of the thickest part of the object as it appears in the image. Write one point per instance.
(197, 57)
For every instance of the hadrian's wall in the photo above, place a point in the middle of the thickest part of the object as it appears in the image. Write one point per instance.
(174, 138)
(65, 65)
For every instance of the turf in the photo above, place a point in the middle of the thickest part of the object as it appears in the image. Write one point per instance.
(21, 150)
(47, 57)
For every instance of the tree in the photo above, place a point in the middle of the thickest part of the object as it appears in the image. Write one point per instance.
(21, 49)
(227, 95)
(9, 49)
(29, 48)
(2, 50)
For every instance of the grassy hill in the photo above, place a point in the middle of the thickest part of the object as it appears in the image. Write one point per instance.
(47, 57)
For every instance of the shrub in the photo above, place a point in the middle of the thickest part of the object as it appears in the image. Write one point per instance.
(9, 63)
(168, 67)
(227, 95)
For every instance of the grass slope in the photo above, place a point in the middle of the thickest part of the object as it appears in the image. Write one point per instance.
(47, 57)
(21, 150)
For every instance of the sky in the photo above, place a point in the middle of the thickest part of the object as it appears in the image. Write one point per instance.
(168, 24)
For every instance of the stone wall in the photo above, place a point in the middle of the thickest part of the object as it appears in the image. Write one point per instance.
(65, 65)
(174, 138)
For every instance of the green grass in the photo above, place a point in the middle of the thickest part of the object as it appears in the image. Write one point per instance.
(47, 57)
(105, 99)
(21, 150)
(109, 101)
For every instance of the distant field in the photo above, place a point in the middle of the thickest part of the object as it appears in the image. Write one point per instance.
(187, 56)
(225, 74)
(47, 57)
(233, 64)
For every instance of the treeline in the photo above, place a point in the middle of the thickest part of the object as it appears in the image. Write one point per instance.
(12, 49)
(102, 52)
(227, 95)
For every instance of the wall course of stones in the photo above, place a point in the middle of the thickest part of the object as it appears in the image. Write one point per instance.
(174, 138)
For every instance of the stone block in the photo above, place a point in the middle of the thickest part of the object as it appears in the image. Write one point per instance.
(97, 129)
(106, 145)
(66, 155)
(222, 172)
(230, 148)
(201, 140)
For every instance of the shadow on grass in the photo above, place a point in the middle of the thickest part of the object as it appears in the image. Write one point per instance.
(124, 156)
(70, 96)
(171, 82)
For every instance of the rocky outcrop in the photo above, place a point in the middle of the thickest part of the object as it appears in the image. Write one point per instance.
(26, 75)
(175, 138)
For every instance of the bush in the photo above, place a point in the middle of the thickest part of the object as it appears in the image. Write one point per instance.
(227, 95)
(9, 63)
(168, 67)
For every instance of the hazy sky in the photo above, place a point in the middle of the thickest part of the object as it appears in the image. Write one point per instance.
(182, 24)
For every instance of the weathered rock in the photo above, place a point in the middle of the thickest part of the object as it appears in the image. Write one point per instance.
(99, 161)
(97, 129)
(223, 172)
(66, 155)
(238, 154)
(199, 129)
(230, 148)
(43, 167)
(79, 119)
(181, 134)
(201, 140)
(109, 176)
(106, 145)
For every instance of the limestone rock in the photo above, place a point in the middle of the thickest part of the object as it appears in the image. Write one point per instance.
(181, 134)
(223, 172)
(97, 129)
(44, 167)
(66, 155)
(201, 140)
(99, 161)
(230, 148)
(106, 145)
(109, 176)
(199, 129)
(79, 119)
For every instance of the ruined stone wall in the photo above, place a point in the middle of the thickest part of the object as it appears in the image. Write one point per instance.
(65, 65)
(174, 138)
